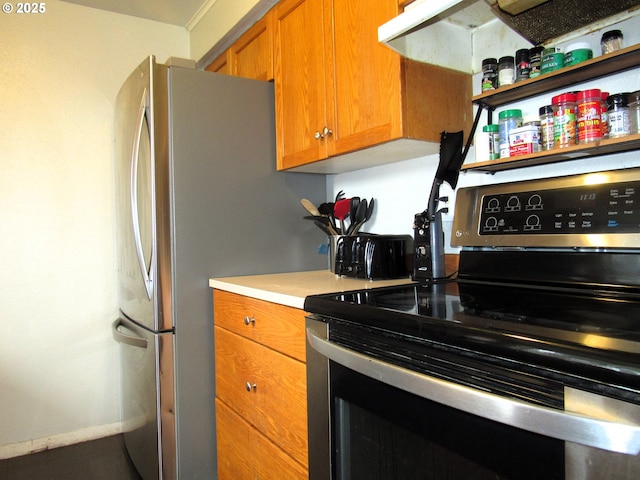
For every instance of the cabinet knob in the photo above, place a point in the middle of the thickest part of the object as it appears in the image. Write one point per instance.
(249, 320)
(250, 386)
(326, 132)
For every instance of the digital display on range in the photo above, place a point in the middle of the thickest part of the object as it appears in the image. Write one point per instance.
(597, 209)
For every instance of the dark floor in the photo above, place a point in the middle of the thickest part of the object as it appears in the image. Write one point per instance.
(103, 459)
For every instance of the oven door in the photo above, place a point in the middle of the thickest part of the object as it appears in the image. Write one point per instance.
(370, 419)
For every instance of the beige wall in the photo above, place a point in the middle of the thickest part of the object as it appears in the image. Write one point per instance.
(60, 72)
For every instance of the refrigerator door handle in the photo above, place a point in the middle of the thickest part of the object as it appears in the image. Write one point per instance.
(132, 340)
(135, 163)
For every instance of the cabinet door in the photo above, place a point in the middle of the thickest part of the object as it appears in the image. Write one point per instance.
(266, 388)
(299, 71)
(245, 454)
(222, 64)
(364, 78)
(252, 53)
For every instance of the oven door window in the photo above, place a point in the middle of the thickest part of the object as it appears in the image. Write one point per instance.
(382, 433)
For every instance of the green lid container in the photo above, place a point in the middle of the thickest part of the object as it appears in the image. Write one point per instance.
(491, 128)
(514, 113)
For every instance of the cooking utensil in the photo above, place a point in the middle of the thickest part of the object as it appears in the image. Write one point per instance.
(327, 209)
(365, 209)
(323, 227)
(341, 211)
(310, 207)
(353, 209)
(358, 217)
(324, 221)
(372, 202)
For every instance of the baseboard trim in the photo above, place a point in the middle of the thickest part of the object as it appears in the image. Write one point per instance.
(60, 440)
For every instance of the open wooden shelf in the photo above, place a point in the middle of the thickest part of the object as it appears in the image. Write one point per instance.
(598, 67)
(593, 149)
(601, 66)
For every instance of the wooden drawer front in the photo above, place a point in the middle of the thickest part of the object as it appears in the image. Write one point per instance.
(277, 404)
(244, 453)
(277, 326)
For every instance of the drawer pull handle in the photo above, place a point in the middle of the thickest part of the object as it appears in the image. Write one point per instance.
(250, 386)
(249, 320)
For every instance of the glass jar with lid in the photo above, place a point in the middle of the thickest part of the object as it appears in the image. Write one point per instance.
(618, 115)
(506, 71)
(508, 120)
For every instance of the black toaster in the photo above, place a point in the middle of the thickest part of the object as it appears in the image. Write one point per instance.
(373, 256)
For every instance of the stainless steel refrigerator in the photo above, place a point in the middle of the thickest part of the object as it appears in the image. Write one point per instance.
(198, 196)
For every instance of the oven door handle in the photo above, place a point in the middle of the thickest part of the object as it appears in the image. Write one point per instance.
(559, 424)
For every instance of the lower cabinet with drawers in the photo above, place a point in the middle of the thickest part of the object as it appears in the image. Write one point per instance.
(261, 391)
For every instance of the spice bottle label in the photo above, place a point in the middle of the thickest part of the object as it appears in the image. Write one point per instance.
(564, 127)
(589, 121)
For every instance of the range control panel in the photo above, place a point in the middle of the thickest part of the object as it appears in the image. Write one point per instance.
(596, 209)
(591, 210)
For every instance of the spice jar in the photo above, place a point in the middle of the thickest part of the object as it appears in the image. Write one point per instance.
(546, 127)
(526, 139)
(522, 64)
(508, 120)
(611, 41)
(533, 121)
(506, 71)
(618, 115)
(493, 132)
(589, 105)
(576, 53)
(564, 120)
(489, 74)
(634, 112)
(604, 115)
(535, 61)
(487, 143)
(552, 59)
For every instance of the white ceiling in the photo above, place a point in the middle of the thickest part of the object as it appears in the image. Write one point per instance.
(175, 12)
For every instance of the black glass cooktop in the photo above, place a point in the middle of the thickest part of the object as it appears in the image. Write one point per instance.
(606, 321)
(590, 335)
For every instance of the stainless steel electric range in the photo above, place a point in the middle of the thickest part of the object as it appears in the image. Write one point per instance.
(526, 364)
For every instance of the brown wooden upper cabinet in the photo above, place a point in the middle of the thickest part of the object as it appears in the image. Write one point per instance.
(221, 64)
(338, 90)
(252, 53)
(251, 56)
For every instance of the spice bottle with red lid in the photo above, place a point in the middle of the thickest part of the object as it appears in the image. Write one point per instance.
(589, 105)
(564, 119)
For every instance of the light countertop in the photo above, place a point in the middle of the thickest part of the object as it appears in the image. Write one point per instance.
(292, 288)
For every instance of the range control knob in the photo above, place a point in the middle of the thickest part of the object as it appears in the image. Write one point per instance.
(493, 205)
(513, 204)
(534, 202)
(532, 223)
(491, 224)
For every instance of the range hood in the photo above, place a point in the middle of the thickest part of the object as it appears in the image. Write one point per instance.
(539, 22)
